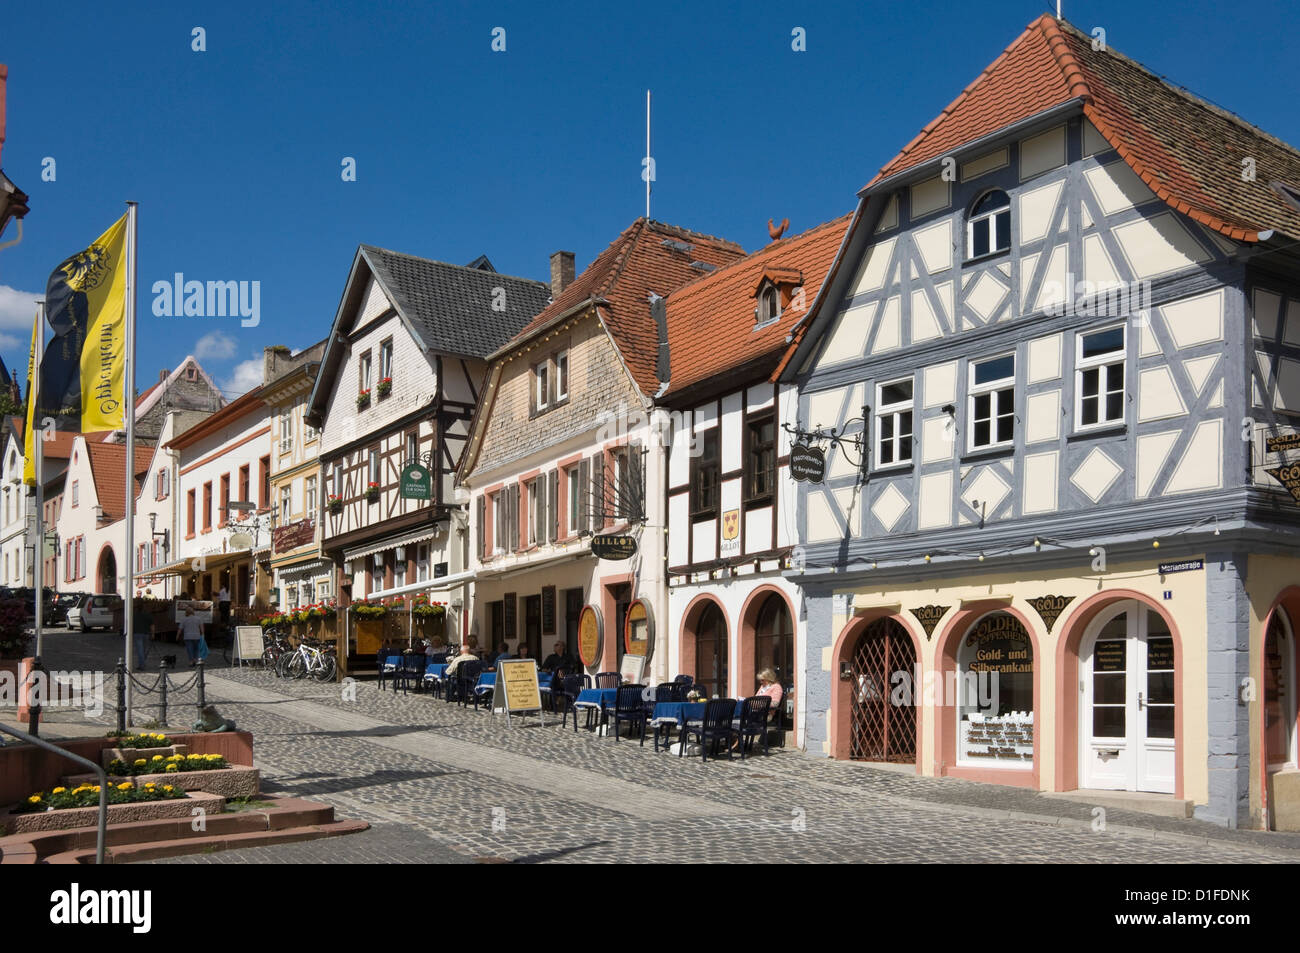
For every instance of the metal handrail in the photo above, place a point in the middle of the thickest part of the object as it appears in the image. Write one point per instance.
(103, 781)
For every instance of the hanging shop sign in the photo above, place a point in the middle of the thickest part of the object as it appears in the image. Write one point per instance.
(293, 535)
(1186, 565)
(1289, 477)
(417, 483)
(807, 464)
(929, 617)
(639, 629)
(591, 630)
(613, 547)
(1049, 608)
(1284, 441)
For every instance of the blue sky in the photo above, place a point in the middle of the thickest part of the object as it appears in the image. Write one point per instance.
(235, 153)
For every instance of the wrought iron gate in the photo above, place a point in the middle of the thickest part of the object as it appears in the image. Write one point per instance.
(882, 728)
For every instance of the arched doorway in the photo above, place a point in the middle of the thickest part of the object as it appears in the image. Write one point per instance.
(1279, 692)
(774, 651)
(107, 571)
(1128, 714)
(711, 650)
(882, 723)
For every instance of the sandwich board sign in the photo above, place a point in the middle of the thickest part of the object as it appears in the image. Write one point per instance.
(632, 668)
(517, 689)
(248, 644)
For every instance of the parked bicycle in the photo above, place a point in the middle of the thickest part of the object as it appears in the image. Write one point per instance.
(311, 658)
(275, 648)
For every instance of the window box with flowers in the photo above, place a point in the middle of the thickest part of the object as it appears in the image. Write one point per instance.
(363, 400)
(385, 387)
(372, 492)
(334, 504)
(369, 610)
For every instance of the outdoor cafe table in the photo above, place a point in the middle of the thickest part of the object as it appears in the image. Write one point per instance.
(667, 714)
(435, 671)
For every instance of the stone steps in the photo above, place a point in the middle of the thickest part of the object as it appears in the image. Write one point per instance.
(285, 820)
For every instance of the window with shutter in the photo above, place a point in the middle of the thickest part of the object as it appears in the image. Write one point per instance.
(635, 510)
(596, 521)
(514, 518)
(482, 535)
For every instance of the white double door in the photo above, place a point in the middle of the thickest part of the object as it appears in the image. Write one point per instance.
(1127, 715)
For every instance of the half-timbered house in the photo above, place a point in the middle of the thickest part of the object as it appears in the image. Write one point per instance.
(1049, 372)
(399, 379)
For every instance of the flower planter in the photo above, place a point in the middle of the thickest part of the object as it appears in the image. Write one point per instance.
(363, 400)
(73, 817)
(238, 780)
(385, 387)
(129, 755)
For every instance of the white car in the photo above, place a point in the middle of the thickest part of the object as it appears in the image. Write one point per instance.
(96, 612)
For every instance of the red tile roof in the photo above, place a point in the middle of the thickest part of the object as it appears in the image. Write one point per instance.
(711, 321)
(637, 264)
(108, 468)
(1186, 150)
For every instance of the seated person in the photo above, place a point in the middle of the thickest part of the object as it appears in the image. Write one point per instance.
(558, 659)
(464, 655)
(523, 650)
(769, 686)
(502, 652)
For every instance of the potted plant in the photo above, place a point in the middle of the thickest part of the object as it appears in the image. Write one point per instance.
(372, 492)
(363, 400)
(334, 504)
(385, 387)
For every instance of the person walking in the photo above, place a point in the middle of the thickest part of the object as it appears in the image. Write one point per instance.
(192, 632)
(142, 633)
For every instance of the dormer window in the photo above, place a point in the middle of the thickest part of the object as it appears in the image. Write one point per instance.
(769, 306)
(988, 227)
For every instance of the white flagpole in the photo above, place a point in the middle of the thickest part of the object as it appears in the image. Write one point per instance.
(647, 153)
(38, 559)
(128, 409)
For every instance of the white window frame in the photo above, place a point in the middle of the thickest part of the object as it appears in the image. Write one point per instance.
(765, 314)
(1100, 363)
(412, 448)
(990, 217)
(894, 411)
(499, 523)
(541, 385)
(286, 504)
(286, 434)
(399, 567)
(562, 375)
(535, 511)
(992, 388)
(574, 517)
(422, 562)
(386, 359)
(372, 473)
(364, 374)
(376, 573)
(309, 497)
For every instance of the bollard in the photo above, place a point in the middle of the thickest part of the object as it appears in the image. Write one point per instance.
(202, 702)
(162, 691)
(121, 695)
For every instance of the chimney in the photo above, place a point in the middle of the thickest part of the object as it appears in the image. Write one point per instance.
(561, 272)
(162, 375)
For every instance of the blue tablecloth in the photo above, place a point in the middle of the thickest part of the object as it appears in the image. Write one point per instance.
(597, 697)
(680, 712)
(486, 682)
(435, 671)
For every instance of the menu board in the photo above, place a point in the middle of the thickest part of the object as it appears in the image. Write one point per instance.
(248, 643)
(516, 686)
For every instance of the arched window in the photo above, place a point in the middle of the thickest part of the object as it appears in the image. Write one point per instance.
(769, 305)
(774, 649)
(711, 651)
(1279, 698)
(988, 226)
(995, 686)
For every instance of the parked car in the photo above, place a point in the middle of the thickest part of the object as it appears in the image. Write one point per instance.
(57, 614)
(27, 596)
(98, 611)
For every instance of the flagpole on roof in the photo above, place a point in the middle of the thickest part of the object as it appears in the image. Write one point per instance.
(648, 173)
(128, 409)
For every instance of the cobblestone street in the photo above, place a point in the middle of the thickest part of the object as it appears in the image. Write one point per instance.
(441, 783)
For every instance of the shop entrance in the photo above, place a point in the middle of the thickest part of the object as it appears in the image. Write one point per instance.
(1279, 695)
(883, 722)
(1126, 662)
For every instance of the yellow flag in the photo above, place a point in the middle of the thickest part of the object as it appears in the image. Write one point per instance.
(29, 441)
(104, 352)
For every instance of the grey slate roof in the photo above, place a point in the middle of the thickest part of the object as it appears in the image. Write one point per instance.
(450, 306)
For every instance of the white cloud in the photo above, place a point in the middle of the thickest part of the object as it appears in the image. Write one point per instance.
(17, 308)
(246, 375)
(9, 342)
(215, 346)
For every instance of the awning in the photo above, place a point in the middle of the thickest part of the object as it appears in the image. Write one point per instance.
(422, 536)
(196, 564)
(306, 570)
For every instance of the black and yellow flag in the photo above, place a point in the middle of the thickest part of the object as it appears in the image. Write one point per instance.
(29, 447)
(81, 372)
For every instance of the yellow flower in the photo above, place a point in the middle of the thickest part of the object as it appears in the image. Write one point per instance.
(150, 784)
(168, 788)
(58, 790)
(140, 762)
(172, 767)
(34, 799)
(125, 786)
(157, 757)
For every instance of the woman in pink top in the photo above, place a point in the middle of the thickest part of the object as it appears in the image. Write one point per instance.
(769, 686)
